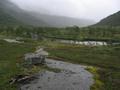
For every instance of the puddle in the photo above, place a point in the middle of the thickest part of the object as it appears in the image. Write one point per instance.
(71, 77)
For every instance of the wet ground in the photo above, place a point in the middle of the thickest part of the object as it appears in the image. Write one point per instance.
(12, 41)
(71, 77)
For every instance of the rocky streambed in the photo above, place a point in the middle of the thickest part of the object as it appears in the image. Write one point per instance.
(71, 77)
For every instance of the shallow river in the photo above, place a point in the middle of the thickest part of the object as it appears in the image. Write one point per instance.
(87, 43)
(71, 77)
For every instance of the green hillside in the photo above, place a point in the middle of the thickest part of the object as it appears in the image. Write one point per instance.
(112, 20)
(7, 19)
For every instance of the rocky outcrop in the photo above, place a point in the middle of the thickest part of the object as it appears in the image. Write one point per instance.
(36, 58)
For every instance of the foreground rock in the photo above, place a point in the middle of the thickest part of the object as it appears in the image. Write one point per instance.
(37, 57)
(71, 77)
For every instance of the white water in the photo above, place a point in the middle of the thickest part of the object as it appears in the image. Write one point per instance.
(87, 43)
(12, 41)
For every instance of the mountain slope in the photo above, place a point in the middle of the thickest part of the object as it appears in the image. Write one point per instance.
(112, 20)
(16, 14)
(5, 18)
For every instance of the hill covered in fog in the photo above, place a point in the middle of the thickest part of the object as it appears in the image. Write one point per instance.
(12, 14)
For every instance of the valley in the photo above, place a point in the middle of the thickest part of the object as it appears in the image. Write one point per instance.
(104, 59)
(82, 54)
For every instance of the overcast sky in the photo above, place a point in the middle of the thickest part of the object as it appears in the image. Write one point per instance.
(90, 9)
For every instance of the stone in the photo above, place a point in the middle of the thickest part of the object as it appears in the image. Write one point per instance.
(36, 58)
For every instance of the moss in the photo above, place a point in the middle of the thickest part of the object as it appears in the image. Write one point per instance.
(98, 84)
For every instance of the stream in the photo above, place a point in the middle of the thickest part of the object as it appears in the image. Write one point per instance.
(87, 43)
(71, 77)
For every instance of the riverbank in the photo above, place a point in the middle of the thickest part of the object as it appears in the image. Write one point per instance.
(106, 58)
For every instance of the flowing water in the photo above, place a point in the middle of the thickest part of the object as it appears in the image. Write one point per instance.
(87, 43)
(71, 77)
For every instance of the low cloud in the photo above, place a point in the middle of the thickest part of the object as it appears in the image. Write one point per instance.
(90, 9)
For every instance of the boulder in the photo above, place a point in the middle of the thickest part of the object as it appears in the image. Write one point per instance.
(36, 58)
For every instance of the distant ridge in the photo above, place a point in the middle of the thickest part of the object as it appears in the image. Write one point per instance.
(112, 20)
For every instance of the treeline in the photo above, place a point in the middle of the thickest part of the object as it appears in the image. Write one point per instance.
(72, 33)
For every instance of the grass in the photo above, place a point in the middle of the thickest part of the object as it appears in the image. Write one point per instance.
(11, 55)
(107, 57)
(12, 62)
(111, 79)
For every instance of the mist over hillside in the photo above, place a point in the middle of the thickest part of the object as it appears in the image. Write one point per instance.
(9, 9)
(14, 12)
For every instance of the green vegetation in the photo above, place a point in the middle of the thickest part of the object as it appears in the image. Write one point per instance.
(112, 20)
(111, 78)
(11, 55)
(98, 85)
(12, 62)
(105, 58)
(109, 34)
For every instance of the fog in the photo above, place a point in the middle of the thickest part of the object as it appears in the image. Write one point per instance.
(89, 9)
